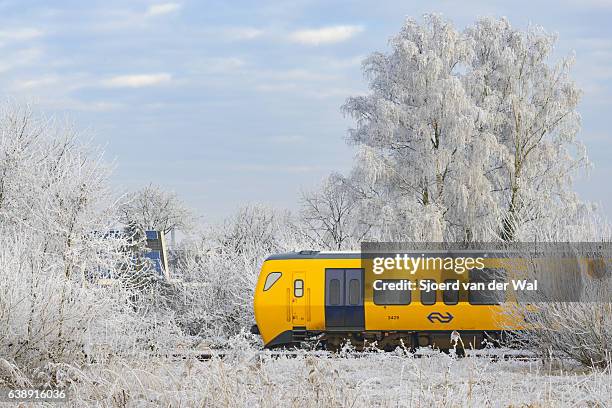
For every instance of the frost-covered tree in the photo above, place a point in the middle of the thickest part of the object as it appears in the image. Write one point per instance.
(55, 213)
(58, 244)
(528, 104)
(465, 135)
(414, 126)
(152, 208)
(328, 216)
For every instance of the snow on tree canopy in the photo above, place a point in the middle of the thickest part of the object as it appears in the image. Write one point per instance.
(466, 135)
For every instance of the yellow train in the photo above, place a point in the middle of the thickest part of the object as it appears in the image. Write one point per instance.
(330, 297)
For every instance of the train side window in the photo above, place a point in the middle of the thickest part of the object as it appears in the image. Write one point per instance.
(428, 297)
(354, 289)
(334, 292)
(388, 296)
(486, 296)
(271, 279)
(450, 296)
(298, 288)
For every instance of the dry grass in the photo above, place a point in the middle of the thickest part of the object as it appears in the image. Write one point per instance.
(248, 377)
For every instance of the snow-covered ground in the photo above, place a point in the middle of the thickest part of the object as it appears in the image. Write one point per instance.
(249, 377)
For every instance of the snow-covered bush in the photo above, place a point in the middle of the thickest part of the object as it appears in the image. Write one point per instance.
(570, 316)
(220, 268)
(578, 330)
(56, 217)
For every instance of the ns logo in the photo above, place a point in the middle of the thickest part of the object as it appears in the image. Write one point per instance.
(439, 317)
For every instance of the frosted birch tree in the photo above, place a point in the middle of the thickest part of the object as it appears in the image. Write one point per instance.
(529, 106)
(152, 208)
(328, 216)
(465, 135)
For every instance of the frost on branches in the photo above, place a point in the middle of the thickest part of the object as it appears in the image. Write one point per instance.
(152, 208)
(466, 135)
(219, 268)
(54, 217)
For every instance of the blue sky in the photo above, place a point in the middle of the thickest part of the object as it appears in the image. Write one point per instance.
(229, 102)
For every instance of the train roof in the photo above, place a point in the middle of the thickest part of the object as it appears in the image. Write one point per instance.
(311, 254)
(502, 250)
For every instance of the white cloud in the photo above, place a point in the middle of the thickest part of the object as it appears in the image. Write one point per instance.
(223, 64)
(137, 81)
(20, 34)
(343, 63)
(302, 75)
(272, 168)
(242, 33)
(595, 4)
(36, 82)
(216, 67)
(162, 8)
(591, 44)
(325, 35)
(277, 87)
(96, 106)
(287, 139)
(309, 91)
(21, 58)
(334, 93)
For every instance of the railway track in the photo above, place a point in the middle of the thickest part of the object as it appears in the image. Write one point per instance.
(495, 355)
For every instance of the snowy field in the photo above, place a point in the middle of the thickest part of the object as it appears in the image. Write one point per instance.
(248, 377)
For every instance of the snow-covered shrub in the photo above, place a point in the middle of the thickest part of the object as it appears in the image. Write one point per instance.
(220, 268)
(56, 214)
(570, 316)
(581, 331)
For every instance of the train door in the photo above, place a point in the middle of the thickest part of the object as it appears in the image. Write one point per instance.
(344, 298)
(298, 300)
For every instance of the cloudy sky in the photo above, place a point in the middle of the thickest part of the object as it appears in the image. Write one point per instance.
(228, 102)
